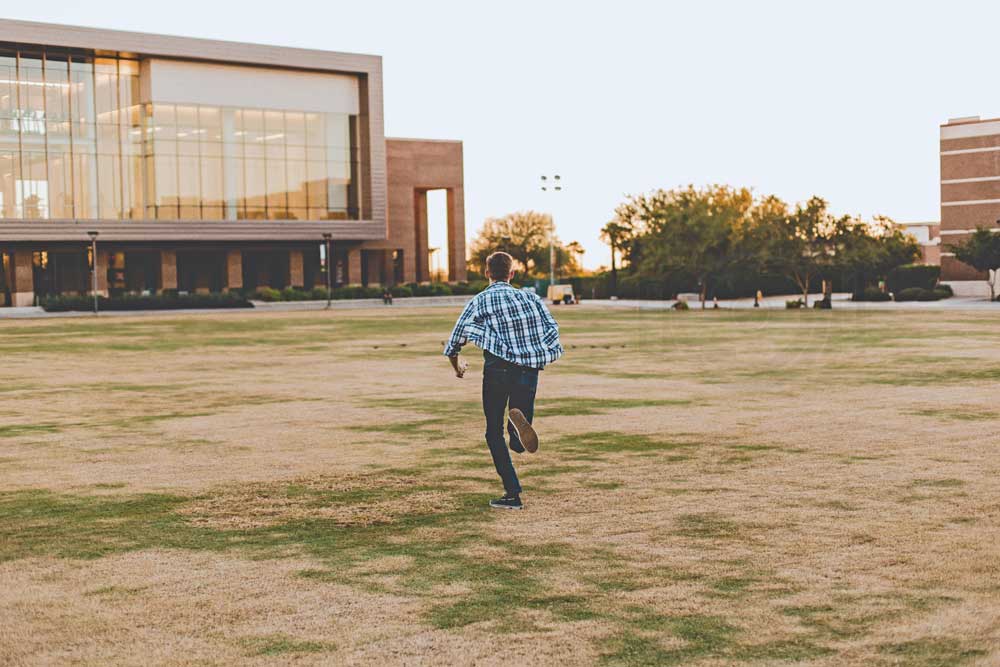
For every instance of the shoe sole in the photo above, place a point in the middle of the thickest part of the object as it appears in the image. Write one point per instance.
(525, 433)
(506, 507)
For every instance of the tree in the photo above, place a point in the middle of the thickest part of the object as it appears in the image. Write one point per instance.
(520, 234)
(525, 236)
(804, 245)
(567, 259)
(872, 250)
(981, 251)
(691, 231)
(615, 234)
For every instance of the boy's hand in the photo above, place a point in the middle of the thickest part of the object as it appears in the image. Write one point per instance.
(460, 366)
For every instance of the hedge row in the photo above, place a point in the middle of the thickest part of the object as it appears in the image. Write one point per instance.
(872, 294)
(922, 276)
(357, 292)
(921, 294)
(167, 301)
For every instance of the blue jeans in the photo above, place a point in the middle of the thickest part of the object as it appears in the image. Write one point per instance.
(506, 384)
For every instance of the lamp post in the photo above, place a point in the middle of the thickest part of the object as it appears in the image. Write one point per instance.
(555, 185)
(93, 259)
(327, 236)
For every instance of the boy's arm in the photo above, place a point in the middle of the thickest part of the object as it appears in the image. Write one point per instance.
(459, 337)
(551, 337)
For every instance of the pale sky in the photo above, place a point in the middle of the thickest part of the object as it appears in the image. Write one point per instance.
(840, 99)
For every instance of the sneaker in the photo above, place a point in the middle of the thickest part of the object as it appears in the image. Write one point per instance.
(525, 433)
(507, 503)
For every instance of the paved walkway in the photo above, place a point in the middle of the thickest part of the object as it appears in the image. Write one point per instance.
(841, 301)
(33, 312)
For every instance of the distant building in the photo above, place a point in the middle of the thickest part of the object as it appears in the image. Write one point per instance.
(970, 193)
(205, 166)
(928, 235)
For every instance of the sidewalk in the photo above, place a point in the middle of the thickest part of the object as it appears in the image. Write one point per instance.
(36, 312)
(841, 301)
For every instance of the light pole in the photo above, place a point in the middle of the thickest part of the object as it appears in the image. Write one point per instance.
(555, 185)
(327, 236)
(93, 259)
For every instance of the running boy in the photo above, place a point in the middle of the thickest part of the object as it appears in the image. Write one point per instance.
(518, 337)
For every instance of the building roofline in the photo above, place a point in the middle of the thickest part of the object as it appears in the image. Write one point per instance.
(968, 120)
(188, 48)
(429, 141)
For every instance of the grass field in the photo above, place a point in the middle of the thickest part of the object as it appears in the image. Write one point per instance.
(712, 489)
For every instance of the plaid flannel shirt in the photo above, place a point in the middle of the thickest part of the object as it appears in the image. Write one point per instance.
(512, 324)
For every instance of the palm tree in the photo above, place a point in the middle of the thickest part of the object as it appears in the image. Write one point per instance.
(614, 234)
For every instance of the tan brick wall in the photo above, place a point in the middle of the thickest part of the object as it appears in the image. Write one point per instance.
(102, 273)
(354, 266)
(970, 142)
(969, 216)
(168, 269)
(22, 289)
(970, 191)
(970, 165)
(952, 269)
(296, 269)
(234, 269)
(415, 166)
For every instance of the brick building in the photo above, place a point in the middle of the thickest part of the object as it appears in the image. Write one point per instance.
(970, 193)
(204, 166)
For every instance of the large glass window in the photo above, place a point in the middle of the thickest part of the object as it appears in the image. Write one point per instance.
(252, 164)
(63, 118)
(75, 142)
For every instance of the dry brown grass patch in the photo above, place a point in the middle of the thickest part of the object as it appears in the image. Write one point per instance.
(343, 500)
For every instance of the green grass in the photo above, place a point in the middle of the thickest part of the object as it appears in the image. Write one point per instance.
(932, 652)
(612, 442)
(576, 406)
(278, 644)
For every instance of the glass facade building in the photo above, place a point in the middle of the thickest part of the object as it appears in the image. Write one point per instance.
(135, 163)
(76, 142)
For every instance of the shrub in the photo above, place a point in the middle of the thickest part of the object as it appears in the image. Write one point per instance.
(908, 276)
(872, 294)
(268, 294)
(681, 305)
(295, 294)
(797, 303)
(946, 289)
(318, 294)
(169, 301)
(908, 294)
(921, 294)
(401, 291)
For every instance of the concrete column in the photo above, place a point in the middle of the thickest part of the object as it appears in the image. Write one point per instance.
(409, 266)
(375, 264)
(234, 269)
(22, 278)
(388, 270)
(420, 246)
(101, 267)
(168, 270)
(457, 270)
(354, 266)
(296, 271)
